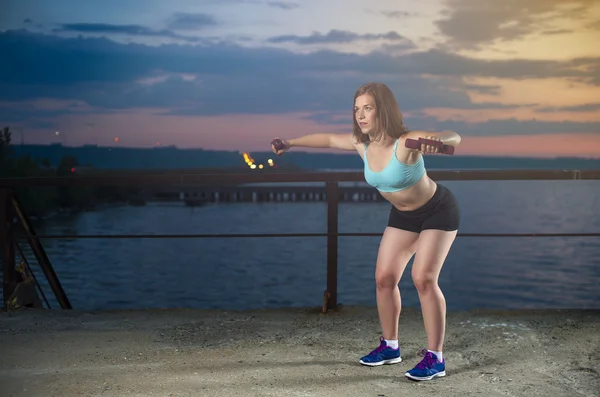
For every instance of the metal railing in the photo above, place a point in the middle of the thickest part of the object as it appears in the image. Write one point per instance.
(10, 209)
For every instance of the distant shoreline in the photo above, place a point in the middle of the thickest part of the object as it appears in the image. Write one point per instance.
(131, 158)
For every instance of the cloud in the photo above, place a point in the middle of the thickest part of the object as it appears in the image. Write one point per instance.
(284, 5)
(412, 113)
(589, 107)
(394, 14)
(129, 30)
(336, 37)
(187, 21)
(556, 32)
(43, 113)
(473, 23)
(514, 127)
(68, 61)
(230, 79)
(483, 88)
(594, 25)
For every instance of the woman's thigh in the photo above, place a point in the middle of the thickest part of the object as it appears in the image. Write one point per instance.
(395, 250)
(433, 247)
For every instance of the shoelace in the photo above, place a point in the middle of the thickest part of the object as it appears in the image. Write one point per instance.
(382, 346)
(428, 361)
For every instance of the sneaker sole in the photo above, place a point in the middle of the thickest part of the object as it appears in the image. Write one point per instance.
(440, 374)
(386, 362)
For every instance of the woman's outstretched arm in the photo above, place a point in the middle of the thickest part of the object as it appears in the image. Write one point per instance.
(334, 141)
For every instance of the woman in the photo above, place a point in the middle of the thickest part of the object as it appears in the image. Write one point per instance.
(423, 220)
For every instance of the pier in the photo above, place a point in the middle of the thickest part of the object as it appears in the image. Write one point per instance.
(265, 192)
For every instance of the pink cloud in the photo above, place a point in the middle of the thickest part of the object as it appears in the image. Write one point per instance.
(144, 128)
(524, 113)
(541, 145)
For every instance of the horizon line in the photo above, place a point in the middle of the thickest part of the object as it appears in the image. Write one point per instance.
(310, 152)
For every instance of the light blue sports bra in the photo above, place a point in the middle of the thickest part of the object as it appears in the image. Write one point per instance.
(396, 175)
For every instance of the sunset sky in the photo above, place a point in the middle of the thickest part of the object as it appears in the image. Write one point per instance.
(512, 77)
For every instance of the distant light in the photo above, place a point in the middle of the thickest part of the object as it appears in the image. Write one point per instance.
(57, 133)
(253, 166)
(116, 139)
(270, 161)
(260, 166)
(248, 159)
(72, 169)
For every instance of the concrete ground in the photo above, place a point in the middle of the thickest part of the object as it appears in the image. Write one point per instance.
(292, 352)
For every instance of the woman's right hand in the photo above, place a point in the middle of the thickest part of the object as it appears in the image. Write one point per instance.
(279, 146)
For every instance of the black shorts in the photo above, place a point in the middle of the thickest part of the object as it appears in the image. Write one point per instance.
(441, 212)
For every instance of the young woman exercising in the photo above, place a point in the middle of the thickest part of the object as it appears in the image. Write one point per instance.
(423, 220)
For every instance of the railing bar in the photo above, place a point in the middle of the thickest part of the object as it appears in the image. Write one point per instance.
(271, 235)
(182, 178)
(171, 236)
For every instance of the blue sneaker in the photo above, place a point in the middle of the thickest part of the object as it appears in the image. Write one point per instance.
(428, 368)
(382, 355)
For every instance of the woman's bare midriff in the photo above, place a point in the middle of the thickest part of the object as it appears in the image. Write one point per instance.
(414, 197)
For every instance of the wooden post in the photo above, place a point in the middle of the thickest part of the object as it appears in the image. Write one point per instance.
(330, 299)
(7, 245)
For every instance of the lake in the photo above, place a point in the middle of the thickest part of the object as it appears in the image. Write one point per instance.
(247, 273)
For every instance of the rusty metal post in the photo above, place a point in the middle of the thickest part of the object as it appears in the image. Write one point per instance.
(330, 298)
(40, 254)
(7, 245)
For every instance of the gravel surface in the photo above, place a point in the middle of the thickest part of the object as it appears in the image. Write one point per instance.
(292, 352)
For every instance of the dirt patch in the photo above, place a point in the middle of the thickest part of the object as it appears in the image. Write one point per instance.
(292, 352)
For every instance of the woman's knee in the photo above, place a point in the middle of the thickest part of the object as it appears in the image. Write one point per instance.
(386, 279)
(424, 281)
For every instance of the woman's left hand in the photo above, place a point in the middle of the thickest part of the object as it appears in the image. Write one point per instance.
(430, 149)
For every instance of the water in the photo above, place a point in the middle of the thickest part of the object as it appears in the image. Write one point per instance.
(245, 273)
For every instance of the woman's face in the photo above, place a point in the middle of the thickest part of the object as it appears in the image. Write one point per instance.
(364, 113)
